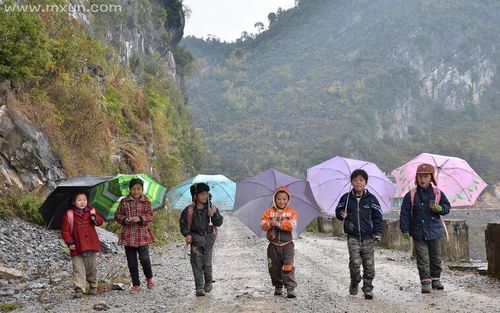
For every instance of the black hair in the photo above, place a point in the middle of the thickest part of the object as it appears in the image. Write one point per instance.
(135, 181)
(77, 193)
(359, 172)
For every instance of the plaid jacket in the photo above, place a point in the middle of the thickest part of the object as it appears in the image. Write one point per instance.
(135, 234)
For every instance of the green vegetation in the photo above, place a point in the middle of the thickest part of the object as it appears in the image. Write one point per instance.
(9, 307)
(101, 116)
(22, 205)
(347, 78)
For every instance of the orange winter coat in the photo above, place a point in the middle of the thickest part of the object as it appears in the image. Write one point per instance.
(282, 234)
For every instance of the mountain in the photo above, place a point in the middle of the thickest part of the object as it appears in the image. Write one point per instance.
(375, 80)
(99, 92)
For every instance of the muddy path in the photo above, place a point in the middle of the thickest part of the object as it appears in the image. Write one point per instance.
(243, 284)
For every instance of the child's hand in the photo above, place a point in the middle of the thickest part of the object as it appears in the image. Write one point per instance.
(72, 247)
(135, 219)
(188, 239)
(92, 217)
(274, 223)
(436, 208)
(343, 214)
(211, 212)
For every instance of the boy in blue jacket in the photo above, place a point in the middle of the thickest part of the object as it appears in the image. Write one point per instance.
(362, 216)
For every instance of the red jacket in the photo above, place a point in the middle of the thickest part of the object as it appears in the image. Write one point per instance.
(84, 235)
(135, 234)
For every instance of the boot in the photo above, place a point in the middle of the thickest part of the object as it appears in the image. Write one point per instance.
(200, 292)
(368, 294)
(426, 287)
(353, 288)
(208, 288)
(436, 284)
(290, 293)
(278, 291)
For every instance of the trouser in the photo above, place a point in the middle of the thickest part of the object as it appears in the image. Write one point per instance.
(280, 263)
(361, 253)
(428, 259)
(133, 267)
(85, 270)
(201, 263)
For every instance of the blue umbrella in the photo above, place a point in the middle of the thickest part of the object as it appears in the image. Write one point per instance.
(222, 190)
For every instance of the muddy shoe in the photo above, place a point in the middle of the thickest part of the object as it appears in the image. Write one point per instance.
(290, 293)
(436, 284)
(368, 294)
(200, 293)
(426, 287)
(208, 288)
(78, 294)
(278, 291)
(353, 288)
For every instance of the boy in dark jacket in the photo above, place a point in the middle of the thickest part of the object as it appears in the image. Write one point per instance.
(198, 224)
(420, 217)
(362, 216)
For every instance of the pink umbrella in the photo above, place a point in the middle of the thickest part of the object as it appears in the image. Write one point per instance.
(461, 184)
(331, 179)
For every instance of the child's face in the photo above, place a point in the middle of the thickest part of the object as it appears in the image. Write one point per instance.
(358, 184)
(202, 197)
(281, 200)
(80, 201)
(136, 191)
(424, 180)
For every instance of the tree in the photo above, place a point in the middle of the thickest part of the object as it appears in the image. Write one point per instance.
(260, 26)
(272, 17)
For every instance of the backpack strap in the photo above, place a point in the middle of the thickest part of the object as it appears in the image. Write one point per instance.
(190, 215)
(437, 199)
(71, 219)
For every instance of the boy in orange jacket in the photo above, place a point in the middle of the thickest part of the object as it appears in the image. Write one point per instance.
(280, 223)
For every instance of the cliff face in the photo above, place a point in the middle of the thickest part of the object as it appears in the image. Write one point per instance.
(135, 98)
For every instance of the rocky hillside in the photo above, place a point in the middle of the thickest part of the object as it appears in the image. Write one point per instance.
(375, 80)
(94, 93)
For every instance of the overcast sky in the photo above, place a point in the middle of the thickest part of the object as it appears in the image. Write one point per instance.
(227, 19)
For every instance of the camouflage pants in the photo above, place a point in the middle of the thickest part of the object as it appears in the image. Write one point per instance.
(428, 259)
(281, 267)
(361, 252)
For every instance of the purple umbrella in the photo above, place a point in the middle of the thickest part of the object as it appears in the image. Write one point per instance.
(255, 194)
(331, 179)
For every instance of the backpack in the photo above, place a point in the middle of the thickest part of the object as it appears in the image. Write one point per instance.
(190, 220)
(437, 194)
(71, 217)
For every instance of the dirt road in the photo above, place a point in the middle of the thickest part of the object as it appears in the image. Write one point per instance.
(243, 284)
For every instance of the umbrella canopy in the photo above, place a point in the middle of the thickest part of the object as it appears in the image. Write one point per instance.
(59, 201)
(222, 190)
(332, 179)
(106, 197)
(255, 194)
(454, 176)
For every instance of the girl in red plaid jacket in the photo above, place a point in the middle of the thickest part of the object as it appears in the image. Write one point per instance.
(135, 214)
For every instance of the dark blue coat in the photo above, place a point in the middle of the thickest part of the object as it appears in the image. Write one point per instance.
(362, 222)
(424, 224)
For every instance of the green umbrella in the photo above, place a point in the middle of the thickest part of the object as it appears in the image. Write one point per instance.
(106, 197)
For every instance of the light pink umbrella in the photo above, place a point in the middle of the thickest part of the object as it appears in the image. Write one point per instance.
(454, 176)
(331, 179)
